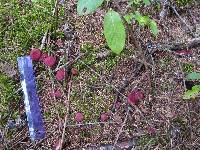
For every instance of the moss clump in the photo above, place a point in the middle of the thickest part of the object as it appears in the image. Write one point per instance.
(188, 68)
(7, 95)
(183, 2)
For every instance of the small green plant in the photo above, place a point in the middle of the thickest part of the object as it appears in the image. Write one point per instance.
(139, 2)
(191, 94)
(114, 29)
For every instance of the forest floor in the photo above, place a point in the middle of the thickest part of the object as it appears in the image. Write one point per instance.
(161, 120)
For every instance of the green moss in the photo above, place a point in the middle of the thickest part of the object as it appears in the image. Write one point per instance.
(164, 62)
(89, 103)
(85, 134)
(47, 115)
(7, 93)
(62, 110)
(144, 140)
(183, 2)
(188, 68)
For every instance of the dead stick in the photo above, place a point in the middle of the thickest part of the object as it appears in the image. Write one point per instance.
(121, 129)
(66, 116)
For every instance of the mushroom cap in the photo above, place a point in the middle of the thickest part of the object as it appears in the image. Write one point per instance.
(135, 96)
(35, 54)
(79, 117)
(60, 74)
(74, 71)
(50, 61)
(43, 56)
(104, 117)
(57, 93)
(118, 104)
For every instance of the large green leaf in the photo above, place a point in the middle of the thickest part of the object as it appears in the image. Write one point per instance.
(114, 31)
(193, 76)
(85, 7)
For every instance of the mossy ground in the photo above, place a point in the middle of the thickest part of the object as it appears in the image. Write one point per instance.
(91, 93)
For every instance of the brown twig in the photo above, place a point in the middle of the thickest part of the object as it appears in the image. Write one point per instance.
(66, 116)
(121, 129)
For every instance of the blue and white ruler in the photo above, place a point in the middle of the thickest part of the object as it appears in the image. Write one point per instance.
(31, 100)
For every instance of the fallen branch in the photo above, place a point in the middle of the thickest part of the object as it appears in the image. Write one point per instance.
(121, 129)
(192, 43)
(67, 115)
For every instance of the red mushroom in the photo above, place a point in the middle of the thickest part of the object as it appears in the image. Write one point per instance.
(35, 54)
(117, 104)
(44, 55)
(56, 93)
(135, 96)
(104, 117)
(60, 74)
(184, 52)
(50, 61)
(74, 71)
(151, 130)
(79, 117)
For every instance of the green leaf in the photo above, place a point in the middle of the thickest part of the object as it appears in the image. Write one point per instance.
(196, 88)
(193, 76)
(146, 2)
(192, 93)
(85, 7)
(129, 17)
(114, 31)
(188, 95)
(142, 20)
(153, 27)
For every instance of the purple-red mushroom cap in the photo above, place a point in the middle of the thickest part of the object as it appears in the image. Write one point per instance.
(79, 117)
(117, 104)
(50, 61)
(104, 117)
(57, 93)
(74, 71)
(35, 54)
(151, 130)
(135, 96)
(44, 55)
(60, 74)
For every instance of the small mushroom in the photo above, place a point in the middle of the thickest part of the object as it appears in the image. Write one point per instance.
(44, 55)
(79, 117)
(50, 61)
(56, 93)
(60, 74)
(104, 117)
(74, 71)
(135, 96)
(35, 54)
